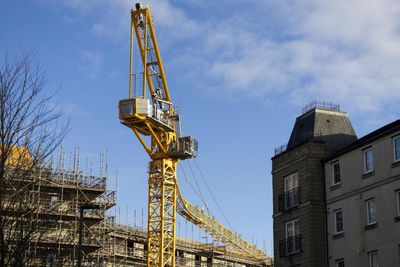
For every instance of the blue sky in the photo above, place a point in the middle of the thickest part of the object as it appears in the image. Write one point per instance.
(239, 70)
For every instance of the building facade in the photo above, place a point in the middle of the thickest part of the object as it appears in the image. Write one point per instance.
(299, 186)
(336, 198)
(363, 201)
(299, 233)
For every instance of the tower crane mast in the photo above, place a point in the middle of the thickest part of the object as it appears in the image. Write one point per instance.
(151, 115)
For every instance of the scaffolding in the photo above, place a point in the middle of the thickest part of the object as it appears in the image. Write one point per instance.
(57, 194)
(62, 191)
(126, 246)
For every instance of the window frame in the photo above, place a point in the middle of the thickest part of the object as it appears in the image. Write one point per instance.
(398, 202)
(294, 223)
(365, 150)
(333, 164)
(394, 148)
(337, 262)
(335, 212)
(290, 185)
(371, 254)
(292, 178)
(368, 213)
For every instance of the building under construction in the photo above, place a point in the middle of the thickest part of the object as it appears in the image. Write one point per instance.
(127, 246)
(59, 195)
(46, 204)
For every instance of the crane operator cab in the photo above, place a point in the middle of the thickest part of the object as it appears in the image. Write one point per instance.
(138, 113)
(132, 110)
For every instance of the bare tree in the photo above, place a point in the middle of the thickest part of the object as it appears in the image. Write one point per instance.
(31, 128)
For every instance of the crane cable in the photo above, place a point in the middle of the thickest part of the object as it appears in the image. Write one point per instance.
(194, 176)
(212, 195)
(198, 192)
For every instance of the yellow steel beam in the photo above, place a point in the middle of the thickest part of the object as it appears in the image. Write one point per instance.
(142, 48)
(156, 138)
(217, 230)
(162, 213)
(139, 136)
(160, 64)
(130, 59)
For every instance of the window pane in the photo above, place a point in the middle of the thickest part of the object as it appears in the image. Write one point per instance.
(373, 259)
(398, 202)
(296, 227)
(295, 180)
(340, 263)
(397, 148)
(336, 173)
(371, 211)
(368, 160)
(292, 228)
(289, 229)
(292, 239)
(287, 183)
(291, 182)
(338, 221)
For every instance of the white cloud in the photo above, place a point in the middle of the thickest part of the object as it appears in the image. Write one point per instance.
(92, 62)
(338, 50)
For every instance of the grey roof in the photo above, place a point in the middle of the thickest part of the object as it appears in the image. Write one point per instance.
(382, 132)
(332, 127)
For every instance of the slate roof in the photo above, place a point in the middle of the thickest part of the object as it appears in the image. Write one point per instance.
(369, 138)
(332, 127)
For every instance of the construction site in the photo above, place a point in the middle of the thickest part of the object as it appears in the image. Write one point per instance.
(166, 86)
(60, 193)
(67, 208)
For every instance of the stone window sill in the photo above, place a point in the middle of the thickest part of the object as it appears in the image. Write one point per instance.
(337, 236)
(396, 164)
(371, 226)
(368, 174)
(336, 186)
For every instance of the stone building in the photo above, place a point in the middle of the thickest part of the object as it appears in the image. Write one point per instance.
(299, 188)
(336, 198)
(363, 201)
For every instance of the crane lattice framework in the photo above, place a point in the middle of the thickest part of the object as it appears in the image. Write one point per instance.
(151, 113)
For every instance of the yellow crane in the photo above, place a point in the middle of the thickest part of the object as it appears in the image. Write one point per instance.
(151, 115)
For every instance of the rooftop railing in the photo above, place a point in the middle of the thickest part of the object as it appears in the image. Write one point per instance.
(321, 105)
(280, 149)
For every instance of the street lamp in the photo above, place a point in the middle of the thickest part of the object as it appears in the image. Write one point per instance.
(82, 208)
